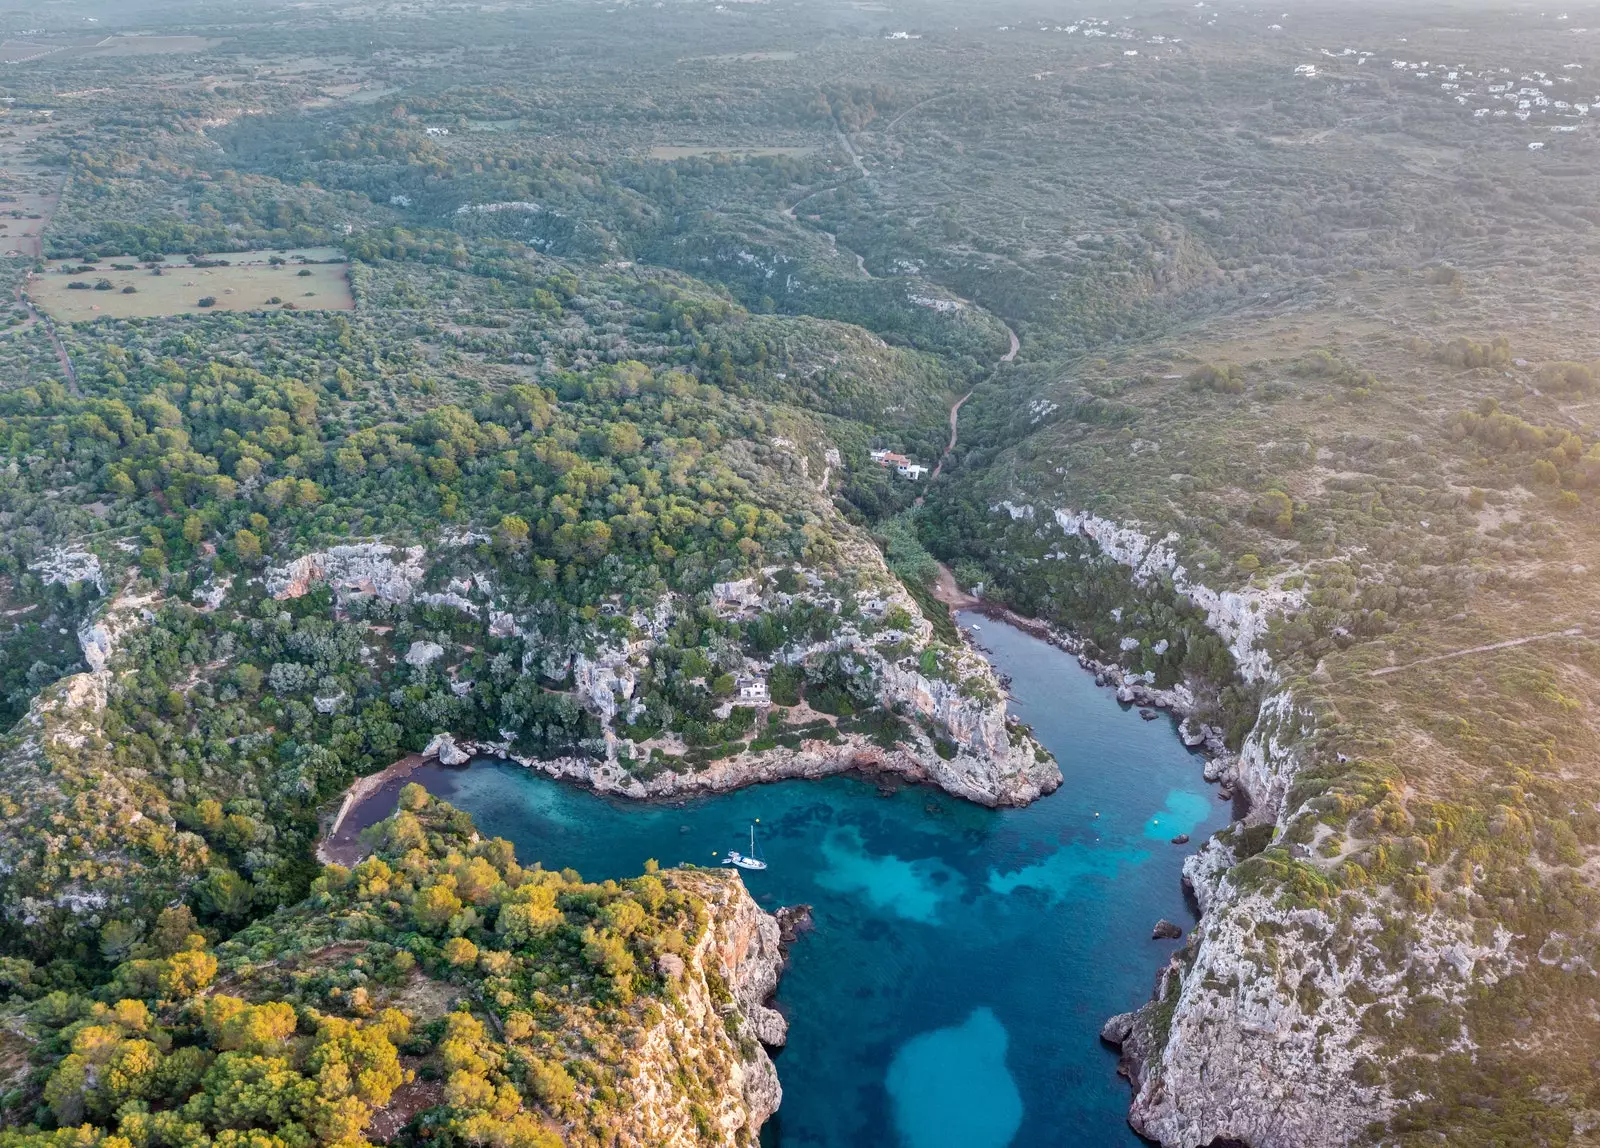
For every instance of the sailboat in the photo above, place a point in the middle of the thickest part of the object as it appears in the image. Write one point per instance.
(751, 860)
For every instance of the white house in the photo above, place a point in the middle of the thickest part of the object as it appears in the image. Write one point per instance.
(911, 470)
(754, 690)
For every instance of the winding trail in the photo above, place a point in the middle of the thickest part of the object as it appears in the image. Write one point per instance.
(62, 357)
(1572, 632)
(955, 412)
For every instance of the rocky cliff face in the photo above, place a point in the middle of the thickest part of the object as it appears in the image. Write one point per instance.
(1012, 780)
(992, 762)
(708, 1053)
(1239, 616)
(375, 568)
(1255, 1033)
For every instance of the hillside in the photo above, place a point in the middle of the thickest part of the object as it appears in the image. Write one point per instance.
(437, 985)
(516, 379)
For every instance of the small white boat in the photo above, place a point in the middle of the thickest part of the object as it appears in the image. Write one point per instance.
(752, 860)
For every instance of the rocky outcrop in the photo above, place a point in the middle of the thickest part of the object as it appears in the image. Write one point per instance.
(98, 636)
(422, 654)
(444, 748)
(66, 567)
(604, 681)
(1254, 1032)
(972, 722)
(717, 1030)
(994, 763)
(374, 568)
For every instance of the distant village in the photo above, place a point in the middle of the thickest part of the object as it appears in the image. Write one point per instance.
(1520, 95)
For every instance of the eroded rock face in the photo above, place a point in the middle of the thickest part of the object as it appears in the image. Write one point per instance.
(1013, 781)
(444, 747)
(732, 971)
(1240, 617)
(603, 681)
(1254, 1031)
(98, 636)
(423, 654)
(66, 567)
(375, 568)
(977, 724)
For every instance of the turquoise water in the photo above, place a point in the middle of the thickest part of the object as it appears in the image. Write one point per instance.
(952, 993)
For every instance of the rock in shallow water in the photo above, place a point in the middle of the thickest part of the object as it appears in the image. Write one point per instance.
(1165, 930)
(792, 921)
(1117, 1028)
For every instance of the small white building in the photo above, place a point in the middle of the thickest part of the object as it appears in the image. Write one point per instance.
(911, 470)
(754, 690)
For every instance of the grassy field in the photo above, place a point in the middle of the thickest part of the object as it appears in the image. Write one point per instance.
(249, 283)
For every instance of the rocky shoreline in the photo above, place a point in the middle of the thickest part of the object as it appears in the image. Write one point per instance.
(1130, 690)
(964, 775)
(1010, 778)
(1254, 1035)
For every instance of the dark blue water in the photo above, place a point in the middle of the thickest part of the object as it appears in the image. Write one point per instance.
(963, 960)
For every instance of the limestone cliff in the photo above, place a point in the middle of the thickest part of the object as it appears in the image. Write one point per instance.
(375, 568)
(1013, 780)
(1256, 1032)
(709, 1050)
(959, 738)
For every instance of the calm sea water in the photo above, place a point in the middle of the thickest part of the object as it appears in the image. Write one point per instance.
(963, 959)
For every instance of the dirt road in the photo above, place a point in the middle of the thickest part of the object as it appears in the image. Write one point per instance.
(952, 595)
(955, 410)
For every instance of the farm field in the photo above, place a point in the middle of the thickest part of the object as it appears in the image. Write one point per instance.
(248, 283)
(28, 195)
(23, 215)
